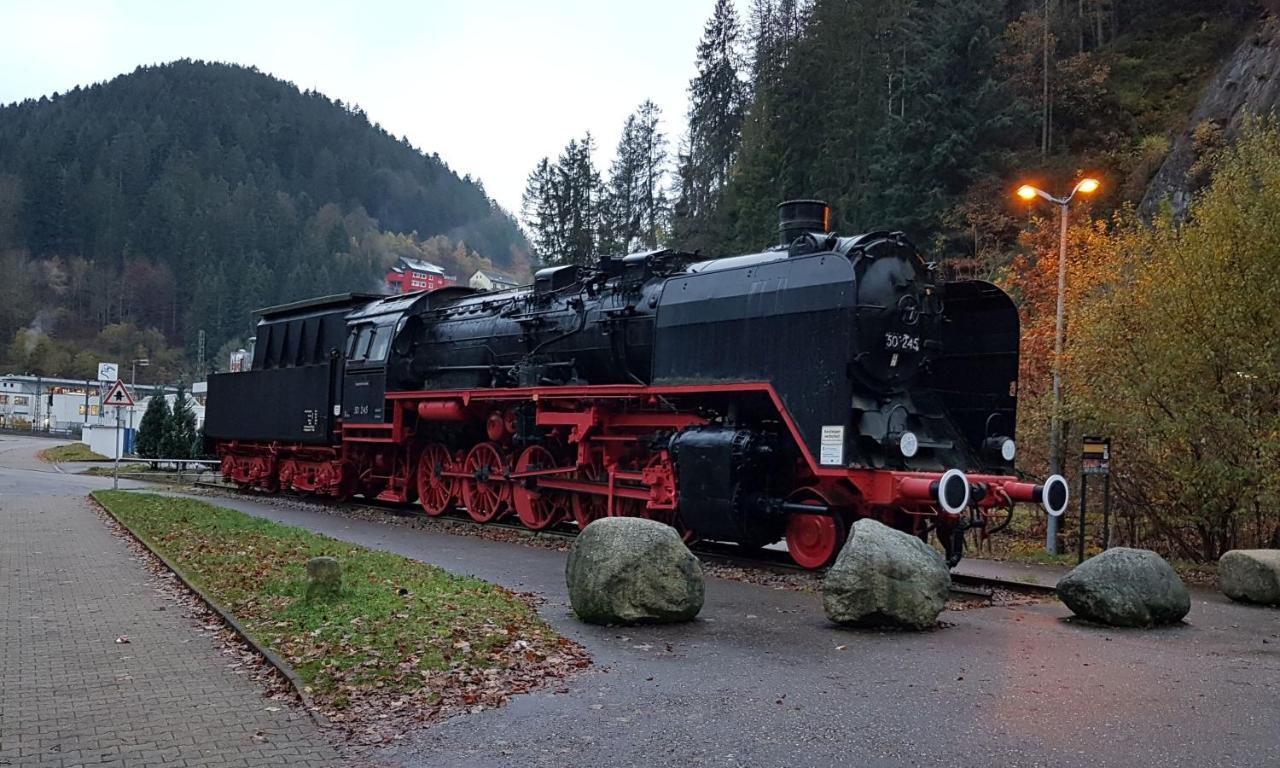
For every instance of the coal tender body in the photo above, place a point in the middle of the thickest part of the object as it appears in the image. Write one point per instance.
(778, 395)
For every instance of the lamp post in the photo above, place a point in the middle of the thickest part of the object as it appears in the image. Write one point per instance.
(1030, 193)
(133, 382)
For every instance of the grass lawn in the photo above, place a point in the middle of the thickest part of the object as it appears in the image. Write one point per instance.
(70, 452)
(401, 633)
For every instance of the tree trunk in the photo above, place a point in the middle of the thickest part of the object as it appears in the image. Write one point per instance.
(1044, 105)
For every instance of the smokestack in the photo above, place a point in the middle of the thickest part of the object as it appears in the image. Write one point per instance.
(798, 217)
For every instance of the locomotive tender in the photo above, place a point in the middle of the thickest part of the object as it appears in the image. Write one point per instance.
(747, 399)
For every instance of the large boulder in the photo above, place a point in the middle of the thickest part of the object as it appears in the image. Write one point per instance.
(1251, 575)
(886, 577)
(1126, 588)
(627, 570)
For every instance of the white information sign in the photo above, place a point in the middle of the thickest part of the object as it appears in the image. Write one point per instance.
(831, 453)
(108, 372)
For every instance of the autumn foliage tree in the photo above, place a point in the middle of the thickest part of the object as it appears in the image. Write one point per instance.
(1173, 349)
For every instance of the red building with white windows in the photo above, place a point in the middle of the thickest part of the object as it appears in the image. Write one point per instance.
(409, 275)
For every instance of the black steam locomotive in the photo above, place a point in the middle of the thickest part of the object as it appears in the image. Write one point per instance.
(746, 399)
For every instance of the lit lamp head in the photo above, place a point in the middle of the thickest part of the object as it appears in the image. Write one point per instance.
(1088, 186)
(1027, 192)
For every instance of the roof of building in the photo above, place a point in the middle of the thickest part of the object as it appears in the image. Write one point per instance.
(335, 300)
(497, 277)
(418, 265)
(54, 381)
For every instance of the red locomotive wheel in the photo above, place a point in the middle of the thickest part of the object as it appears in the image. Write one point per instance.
(537, 508)
(435, 491)
(486, 492)
(813, 540)
(588, 507)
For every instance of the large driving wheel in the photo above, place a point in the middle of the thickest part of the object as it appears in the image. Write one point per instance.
(436, 492)
(538, 508)
(485, 490)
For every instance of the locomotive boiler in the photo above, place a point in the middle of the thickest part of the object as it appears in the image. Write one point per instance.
(770, 396)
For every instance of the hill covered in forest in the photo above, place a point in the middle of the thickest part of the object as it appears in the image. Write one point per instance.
(914, 115)
(178, 198)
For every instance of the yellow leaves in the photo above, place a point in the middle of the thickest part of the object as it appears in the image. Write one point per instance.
(1175, 353)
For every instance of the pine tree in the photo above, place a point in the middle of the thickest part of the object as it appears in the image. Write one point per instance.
(538, 209)
(562, 205)
(952, 103)
(718, 101)
(577, 199)
(154, 425)
(180, 434)
(635, 209)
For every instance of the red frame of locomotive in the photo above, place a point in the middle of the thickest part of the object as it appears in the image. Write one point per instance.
(603, 466)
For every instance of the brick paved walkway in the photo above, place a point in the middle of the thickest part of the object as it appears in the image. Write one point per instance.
(71, 696)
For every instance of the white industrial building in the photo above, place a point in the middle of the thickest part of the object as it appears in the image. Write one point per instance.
(44, 403)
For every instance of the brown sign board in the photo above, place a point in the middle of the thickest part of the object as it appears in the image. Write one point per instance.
(1095, 456)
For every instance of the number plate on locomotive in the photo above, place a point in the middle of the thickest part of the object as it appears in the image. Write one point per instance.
(902, 341)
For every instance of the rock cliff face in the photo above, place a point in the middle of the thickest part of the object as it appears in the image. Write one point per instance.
(1249, 83)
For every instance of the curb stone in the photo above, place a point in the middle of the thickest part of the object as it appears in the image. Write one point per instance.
(280, 665)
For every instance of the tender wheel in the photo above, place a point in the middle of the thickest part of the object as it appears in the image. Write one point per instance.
(813, 541)
(537, 508)
(485, 491)
(436, 492)
(588, 507)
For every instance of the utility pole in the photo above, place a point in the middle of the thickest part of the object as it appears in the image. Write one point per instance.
(133, 383)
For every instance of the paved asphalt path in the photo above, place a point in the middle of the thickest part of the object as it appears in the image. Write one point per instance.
(70, 693)
(761, 679)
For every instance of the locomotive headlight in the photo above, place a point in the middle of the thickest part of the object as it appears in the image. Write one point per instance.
(1008, 449)
(908, 444)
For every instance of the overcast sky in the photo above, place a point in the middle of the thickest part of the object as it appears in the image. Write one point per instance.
(491, 86)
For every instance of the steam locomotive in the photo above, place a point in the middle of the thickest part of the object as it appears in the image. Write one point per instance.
(770, 396)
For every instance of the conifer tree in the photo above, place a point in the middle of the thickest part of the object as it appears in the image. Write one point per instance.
(562, 205)
(635, 206)
(538, 209)
(181, 432)
(718, 100)
(154, 424)
(577, 199)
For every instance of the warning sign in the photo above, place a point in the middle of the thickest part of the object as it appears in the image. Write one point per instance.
(831, 451)
(118, 396)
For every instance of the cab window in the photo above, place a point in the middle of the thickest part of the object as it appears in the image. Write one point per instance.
(378, 346)
(359, 348)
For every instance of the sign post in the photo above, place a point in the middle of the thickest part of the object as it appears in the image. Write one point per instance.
(1095, 459)
(117, 397)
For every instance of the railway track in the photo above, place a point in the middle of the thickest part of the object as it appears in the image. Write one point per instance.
(768, 560)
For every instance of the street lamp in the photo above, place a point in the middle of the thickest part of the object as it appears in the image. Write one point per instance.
(133, 382)
(1030, 193)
